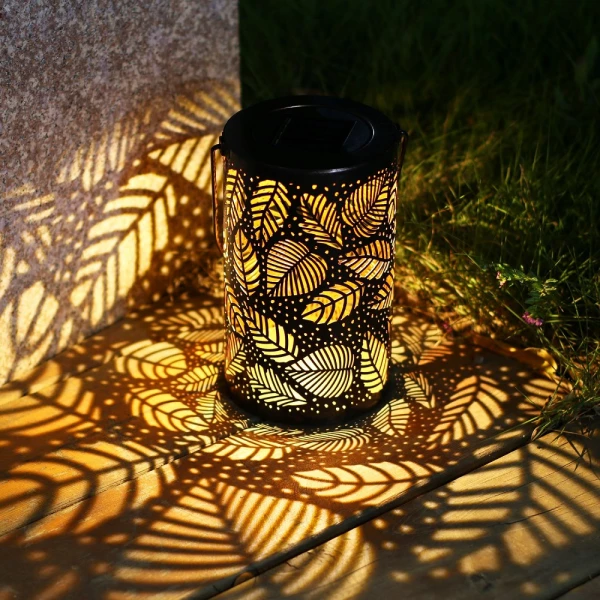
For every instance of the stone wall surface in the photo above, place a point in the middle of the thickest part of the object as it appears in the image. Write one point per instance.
(108, 111)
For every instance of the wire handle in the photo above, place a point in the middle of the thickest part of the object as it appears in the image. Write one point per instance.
(217, 221)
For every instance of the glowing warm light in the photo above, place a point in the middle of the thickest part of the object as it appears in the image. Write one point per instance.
(272, 312)
(161, 484)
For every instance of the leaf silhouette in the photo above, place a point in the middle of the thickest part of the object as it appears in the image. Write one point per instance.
(373, 363)
(269, 208)
(320, 219)
(370, 261)
(200, 379)
(334, 304)
(160, 409)
(271, 339)
(392, 419)
(366, 208)
(245, 263)
(292, 269)
(193, 319)
(272, 389)
(163, 353)
(418, 389)
(341, 440)
(385, 294)
(211, 352)
(472, 406)
(235, 195)
(206, 335)
(235, 356)
(326, 372)
(188, 158)
(361, 484)
(234, 312)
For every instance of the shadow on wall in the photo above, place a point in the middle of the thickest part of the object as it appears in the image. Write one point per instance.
(128, 217)
(139, 476)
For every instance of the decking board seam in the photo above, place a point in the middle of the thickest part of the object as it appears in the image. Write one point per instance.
(364, 516)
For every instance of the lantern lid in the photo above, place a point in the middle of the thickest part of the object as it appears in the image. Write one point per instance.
(311, 136)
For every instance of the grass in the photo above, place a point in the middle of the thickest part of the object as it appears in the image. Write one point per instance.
(499, 213)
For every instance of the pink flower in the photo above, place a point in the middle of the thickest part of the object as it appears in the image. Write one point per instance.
(446, 327)
(502, 280)
(532, 320)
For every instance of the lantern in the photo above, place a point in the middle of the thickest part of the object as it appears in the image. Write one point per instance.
(307, 233)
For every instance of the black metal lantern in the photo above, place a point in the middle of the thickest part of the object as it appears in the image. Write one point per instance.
(308, 241)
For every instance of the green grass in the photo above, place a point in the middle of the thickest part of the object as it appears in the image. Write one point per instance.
(502, 174)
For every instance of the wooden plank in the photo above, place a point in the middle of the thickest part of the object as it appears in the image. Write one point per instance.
(82, 435)
(525, 525)
(164, 320)
(203, 521)
(590, 590)
(160, 429)
(101, 398)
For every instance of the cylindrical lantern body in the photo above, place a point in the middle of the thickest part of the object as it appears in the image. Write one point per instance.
(309, 230)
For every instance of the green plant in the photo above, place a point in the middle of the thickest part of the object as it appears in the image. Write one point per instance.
(498, 224)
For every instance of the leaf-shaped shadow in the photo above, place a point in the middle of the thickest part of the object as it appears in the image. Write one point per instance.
(361, 484)
(125, 216)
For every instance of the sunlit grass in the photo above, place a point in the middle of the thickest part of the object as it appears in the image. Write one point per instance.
(498, 217)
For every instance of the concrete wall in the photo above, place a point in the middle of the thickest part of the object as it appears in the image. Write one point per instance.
(108, 110)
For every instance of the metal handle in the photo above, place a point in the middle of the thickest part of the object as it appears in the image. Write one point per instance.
(217, 222)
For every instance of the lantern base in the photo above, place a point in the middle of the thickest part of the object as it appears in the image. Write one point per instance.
(326, 417)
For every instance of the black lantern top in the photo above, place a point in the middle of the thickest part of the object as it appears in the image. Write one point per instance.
(311, 137)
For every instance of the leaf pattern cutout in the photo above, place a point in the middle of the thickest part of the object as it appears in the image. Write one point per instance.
(366, 208)
(373, 363)
(271, 388)
(235, 356)
(269, 208)
(391, 214)
(236, 197)
(320, 219)
(292, 269)
(200, 379)
(392, 419)
(385, 294)
(418, 390)
(370, 261)
(245, 263)
(271, 339)
(234, 312)
(334, 304)
(326, 372)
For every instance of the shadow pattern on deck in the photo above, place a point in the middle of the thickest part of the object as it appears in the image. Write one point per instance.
(139, 478)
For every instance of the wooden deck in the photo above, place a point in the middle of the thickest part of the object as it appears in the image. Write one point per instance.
(128, 474)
